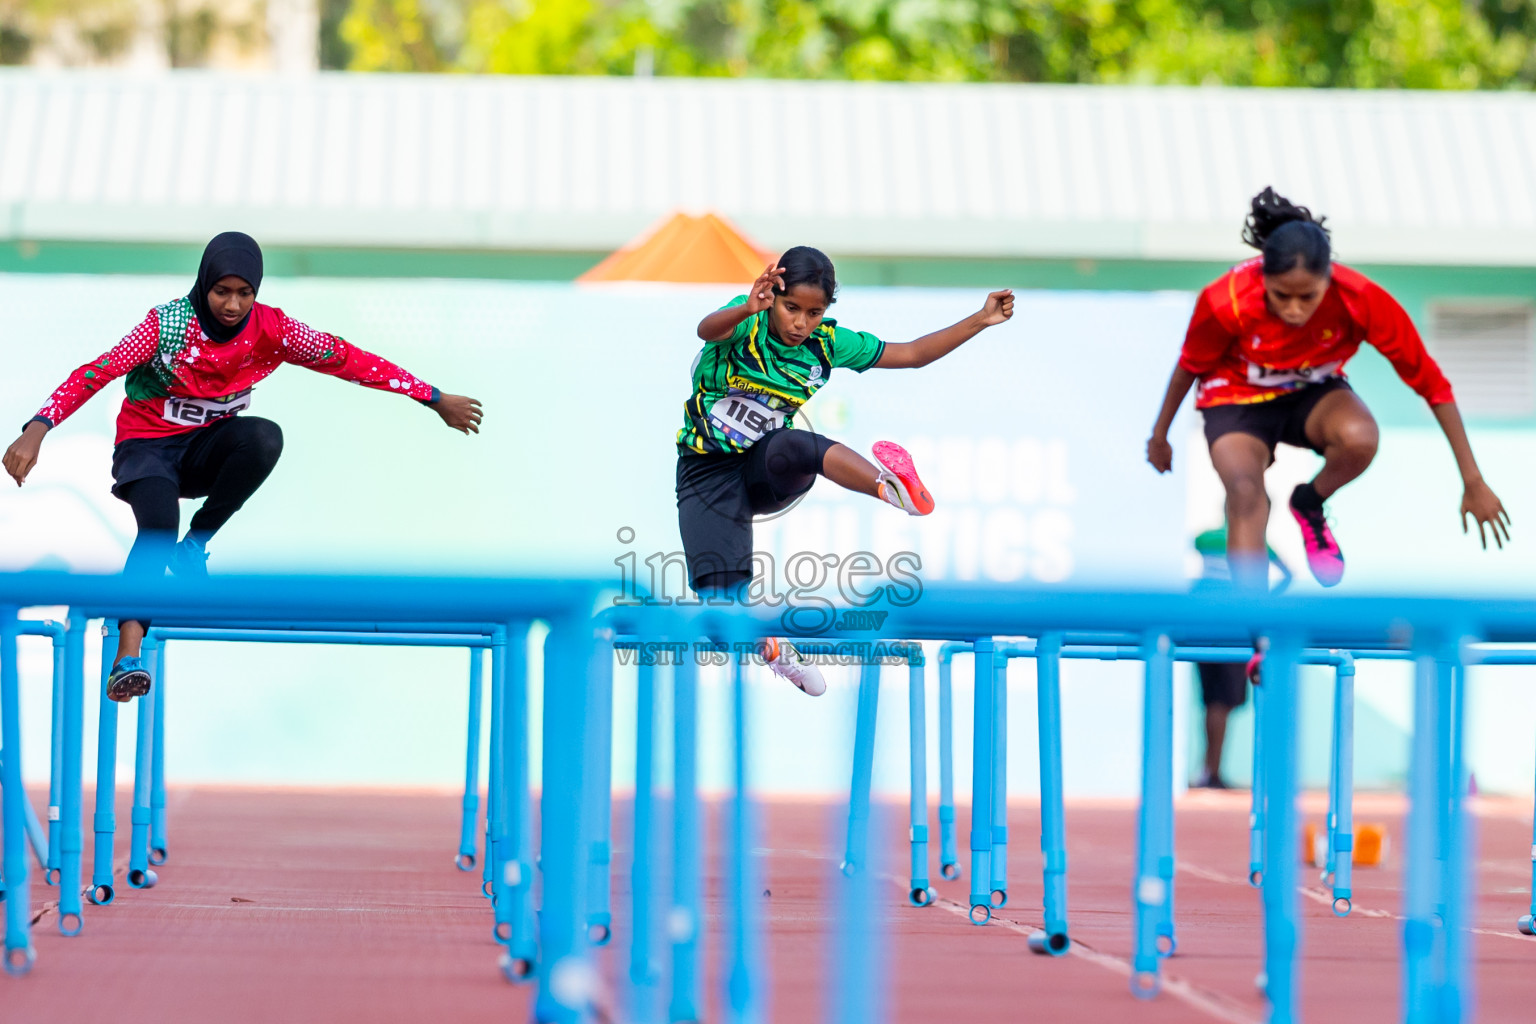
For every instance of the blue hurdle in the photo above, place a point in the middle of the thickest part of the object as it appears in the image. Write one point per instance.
(45, 845)
(508, 864)
(1166, 627)
(148, 843)
(920, 893)
(19, 952)
(108, 597)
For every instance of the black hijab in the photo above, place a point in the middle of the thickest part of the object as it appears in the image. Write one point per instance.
(231, 253)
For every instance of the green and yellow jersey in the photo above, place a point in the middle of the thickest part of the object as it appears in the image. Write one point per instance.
(752, 383)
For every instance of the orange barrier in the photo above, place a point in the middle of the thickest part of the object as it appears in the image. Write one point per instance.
(1371, 845)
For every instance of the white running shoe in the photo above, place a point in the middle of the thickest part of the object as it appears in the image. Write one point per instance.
(792, 665)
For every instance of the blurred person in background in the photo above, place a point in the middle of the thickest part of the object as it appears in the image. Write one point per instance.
(1223, 685)
(190, 367)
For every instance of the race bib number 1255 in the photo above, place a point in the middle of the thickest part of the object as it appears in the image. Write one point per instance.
(197, 411)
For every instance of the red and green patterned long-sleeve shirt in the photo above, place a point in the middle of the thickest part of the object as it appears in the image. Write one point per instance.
(179, 380)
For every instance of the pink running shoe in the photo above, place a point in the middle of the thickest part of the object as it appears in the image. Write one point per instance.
(900, 484)
(1323, 555)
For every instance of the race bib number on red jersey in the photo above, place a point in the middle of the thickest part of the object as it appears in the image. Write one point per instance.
(1270, 377)
(195, 412)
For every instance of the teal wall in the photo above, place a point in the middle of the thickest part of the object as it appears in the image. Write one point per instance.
(1417, 287)
(540, 350)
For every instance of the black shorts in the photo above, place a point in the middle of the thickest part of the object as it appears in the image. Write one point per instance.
(718, 494)
(179, 458)
(1280, 420)
(1223, 683)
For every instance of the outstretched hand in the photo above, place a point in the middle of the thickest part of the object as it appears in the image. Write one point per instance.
(1160, 453)
(461, 413)
(760, 297)
(1484, 506)
(21, 456)
(998, 307)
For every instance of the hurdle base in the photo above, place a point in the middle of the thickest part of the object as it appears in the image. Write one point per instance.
(1049, 943)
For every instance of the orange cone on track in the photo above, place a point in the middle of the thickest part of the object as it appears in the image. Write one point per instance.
(1371, 845)
(685, 249)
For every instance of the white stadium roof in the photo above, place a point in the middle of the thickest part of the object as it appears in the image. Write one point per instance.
(1000, 171)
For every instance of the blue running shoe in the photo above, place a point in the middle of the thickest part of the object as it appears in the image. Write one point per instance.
(129, 679)
(189, 560)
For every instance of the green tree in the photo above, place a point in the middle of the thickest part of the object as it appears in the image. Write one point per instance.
(1437, 44)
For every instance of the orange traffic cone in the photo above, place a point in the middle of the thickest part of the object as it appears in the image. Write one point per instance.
(1371, 845)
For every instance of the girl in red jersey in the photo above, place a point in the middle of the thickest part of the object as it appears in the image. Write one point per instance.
(190, 368)
(1267, 343)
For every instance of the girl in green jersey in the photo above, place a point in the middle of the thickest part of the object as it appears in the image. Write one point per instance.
(765, 354)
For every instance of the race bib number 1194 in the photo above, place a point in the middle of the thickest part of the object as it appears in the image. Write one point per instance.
(744, 418)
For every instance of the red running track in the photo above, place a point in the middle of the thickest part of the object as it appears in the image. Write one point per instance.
(324, 906)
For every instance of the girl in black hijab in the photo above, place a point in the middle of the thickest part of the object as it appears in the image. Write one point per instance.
(190, 367)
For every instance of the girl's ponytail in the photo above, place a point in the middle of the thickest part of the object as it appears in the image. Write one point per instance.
(1288, 235)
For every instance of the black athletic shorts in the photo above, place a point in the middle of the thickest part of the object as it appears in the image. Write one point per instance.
(1280, 420)
(718, 494)
(180, 458)
(1223, 683)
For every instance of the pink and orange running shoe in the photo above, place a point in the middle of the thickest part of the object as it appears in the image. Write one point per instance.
(1323, 555)
(899, 483)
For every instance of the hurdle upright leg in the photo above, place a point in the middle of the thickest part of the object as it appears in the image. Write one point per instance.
(495, 802)
(999, 894)
(863, 767)
(71, 838)
(51, 870)
(498, 851)
(1162, 816)
(36, 838)
(19, 954)
(1421, 882)
(919, 893)
(1053, 827)
(1282, 922)
(1331, 820)
(159, 845)
(1256, 807)
(517, 849)
(567, 980)
(470, 814)
(1458, 882)
(139, 874)
(746, 983)
(1342, 840)
(105, 820)
(642, 975)
(1527, 923)
(1154, 869)
(599, 795)
(981, 780)
(949, 853)
(685, 918)
(859, 941)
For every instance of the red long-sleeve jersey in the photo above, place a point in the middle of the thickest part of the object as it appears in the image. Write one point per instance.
(1243, 353)
(179, 380)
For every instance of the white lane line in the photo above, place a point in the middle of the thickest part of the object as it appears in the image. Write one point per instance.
(1210, 1003)
(1217, 1006)
(1325, 897)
